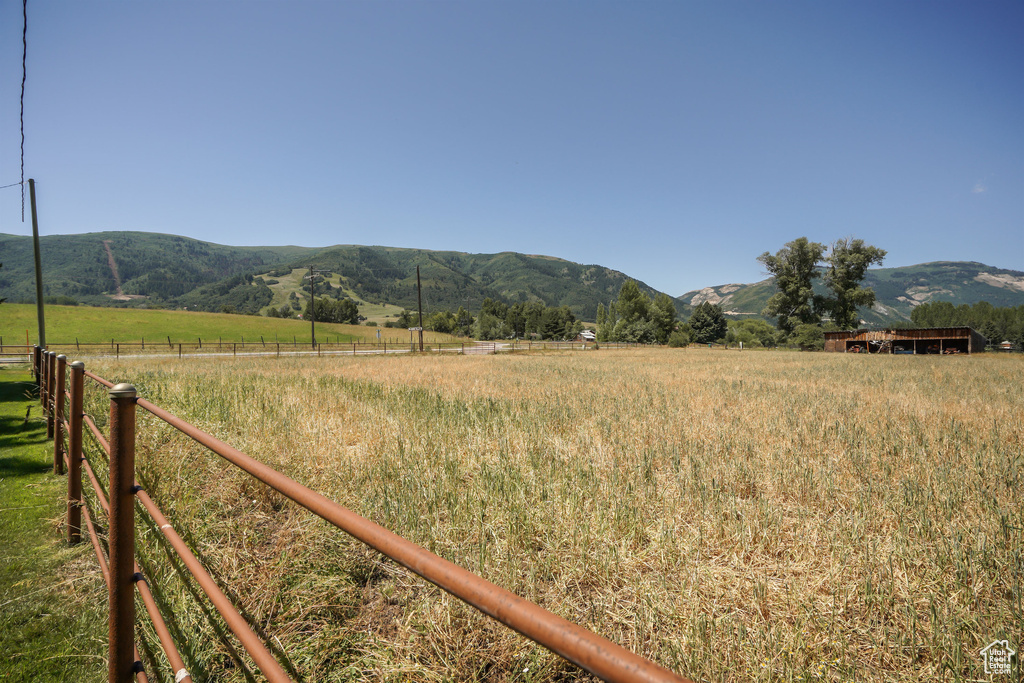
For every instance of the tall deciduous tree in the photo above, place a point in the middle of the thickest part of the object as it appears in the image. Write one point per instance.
(846, 266)
(794, 269)
(708, 323)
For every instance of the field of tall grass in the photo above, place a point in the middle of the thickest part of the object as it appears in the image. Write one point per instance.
(767, 516)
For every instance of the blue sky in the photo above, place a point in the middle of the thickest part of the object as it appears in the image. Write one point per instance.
(674, 141)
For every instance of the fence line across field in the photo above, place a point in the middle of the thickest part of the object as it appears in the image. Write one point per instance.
(287, 349)
(62, 395)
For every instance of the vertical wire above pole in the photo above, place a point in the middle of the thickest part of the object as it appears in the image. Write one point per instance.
(24, 61)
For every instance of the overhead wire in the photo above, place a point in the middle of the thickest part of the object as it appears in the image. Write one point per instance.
(24, 56)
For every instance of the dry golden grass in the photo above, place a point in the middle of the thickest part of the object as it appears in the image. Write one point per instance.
(734, 516)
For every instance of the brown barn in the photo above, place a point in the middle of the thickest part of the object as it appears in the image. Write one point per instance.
(936, 340)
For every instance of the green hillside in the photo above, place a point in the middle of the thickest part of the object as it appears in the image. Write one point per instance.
(451, 279)
(167, 271)
(898, 290)
(158, 267)
(178, 272)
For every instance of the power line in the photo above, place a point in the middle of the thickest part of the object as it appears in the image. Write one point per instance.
(24, 55)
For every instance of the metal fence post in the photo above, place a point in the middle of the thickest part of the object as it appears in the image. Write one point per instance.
(75, 452)
(121, 664)
(58, 414)
(50, 362)
(44, 358)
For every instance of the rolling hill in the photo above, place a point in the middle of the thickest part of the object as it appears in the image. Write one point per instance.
(145, 269)
(136, 269)
(103, 268)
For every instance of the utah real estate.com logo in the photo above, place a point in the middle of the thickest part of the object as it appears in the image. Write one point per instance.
(998, 657)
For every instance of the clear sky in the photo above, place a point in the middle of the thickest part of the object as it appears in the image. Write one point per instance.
(674, 141)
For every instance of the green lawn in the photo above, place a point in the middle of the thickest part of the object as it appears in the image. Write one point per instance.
(52, 596)
(91, 324)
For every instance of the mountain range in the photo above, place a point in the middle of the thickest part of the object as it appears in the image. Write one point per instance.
(897, 290)
(149, 269)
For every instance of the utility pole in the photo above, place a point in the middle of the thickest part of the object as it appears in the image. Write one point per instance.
(419, 305)
(39, 267)
(312, 302)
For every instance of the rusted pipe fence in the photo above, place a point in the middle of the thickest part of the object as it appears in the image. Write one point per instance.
(572, 642)
(121, 573)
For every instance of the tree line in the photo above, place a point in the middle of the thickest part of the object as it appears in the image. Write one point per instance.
(499, 320)
(995, 323)
(801, 312)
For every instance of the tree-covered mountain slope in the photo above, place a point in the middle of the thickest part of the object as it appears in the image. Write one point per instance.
(105, 267)
(148, 269)
(135, 268)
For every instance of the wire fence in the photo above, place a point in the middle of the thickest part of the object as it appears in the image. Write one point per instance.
(62, 387)
(278, 349)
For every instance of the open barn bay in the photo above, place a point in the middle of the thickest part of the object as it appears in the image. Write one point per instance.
(734, 516)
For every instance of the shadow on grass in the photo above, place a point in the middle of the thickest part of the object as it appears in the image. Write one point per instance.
(17, 391)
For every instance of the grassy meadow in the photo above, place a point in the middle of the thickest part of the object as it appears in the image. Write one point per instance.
(52, 596)
(89, 324)
(756, 516)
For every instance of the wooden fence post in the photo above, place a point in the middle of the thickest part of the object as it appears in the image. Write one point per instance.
(75, 453)
(58, 414)
(121, 663)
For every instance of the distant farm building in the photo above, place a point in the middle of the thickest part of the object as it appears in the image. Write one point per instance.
(933, 340)
(586, 336)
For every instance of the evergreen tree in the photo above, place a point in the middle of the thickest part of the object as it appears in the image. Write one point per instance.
(708, 324)
(633, 304)
(663, 315)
